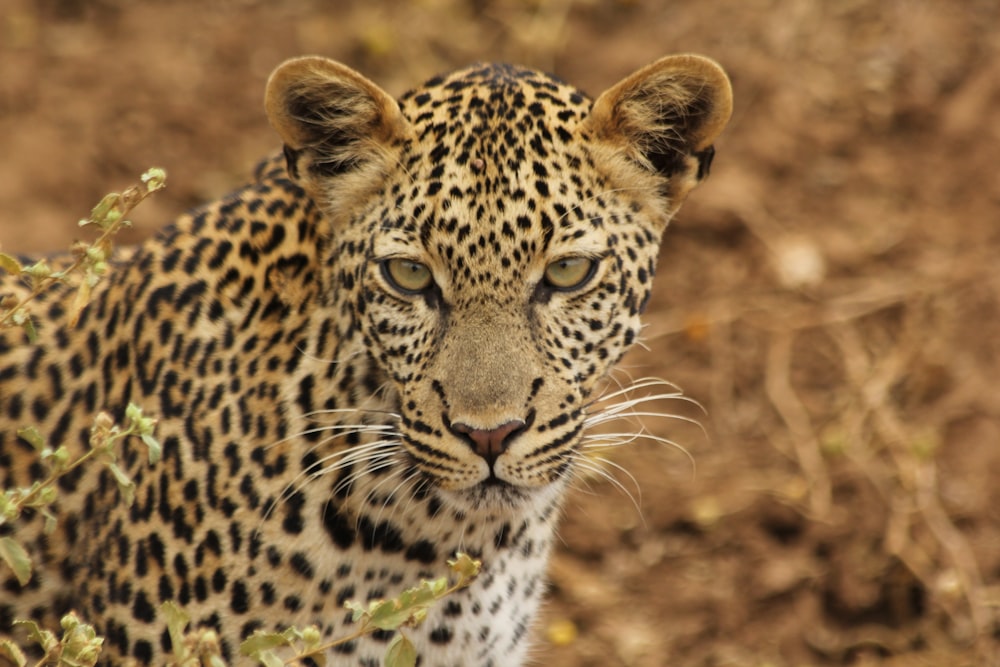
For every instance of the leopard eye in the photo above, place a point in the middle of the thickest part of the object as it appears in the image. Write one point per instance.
(406, 275)
(570, 273)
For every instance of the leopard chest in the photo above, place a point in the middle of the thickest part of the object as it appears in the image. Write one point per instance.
(292, 553)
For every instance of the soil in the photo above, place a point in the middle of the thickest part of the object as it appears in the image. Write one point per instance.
(829, 300)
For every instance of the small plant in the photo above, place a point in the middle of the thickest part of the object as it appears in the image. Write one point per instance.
(408, 610)
(199, 648)
(79, 645)
(104, 437)
(90, 260)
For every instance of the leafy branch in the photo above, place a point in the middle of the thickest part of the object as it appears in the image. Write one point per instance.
(89, 259)
(408, 610)
(105, 435)
(79, 645)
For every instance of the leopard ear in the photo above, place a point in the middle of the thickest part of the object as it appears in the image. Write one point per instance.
(333, 121)
(664, 119)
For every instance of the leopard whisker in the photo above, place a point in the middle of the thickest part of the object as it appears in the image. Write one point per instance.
(312, 357)
(372, 452)
(619, 439)
(310, 472)
(342, 411)
(306, 476)
(293, 486)
(601, 418)
(607, 440)
(644, 383)
(371, 494)
(350, 456)
(346, 429)
(383, 459)
(596, 466)
(421, 483)
(410, 478)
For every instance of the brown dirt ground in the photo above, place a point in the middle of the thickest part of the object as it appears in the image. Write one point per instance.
(831, 296)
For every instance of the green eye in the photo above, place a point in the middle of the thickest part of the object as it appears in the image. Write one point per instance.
(406, 275)
(570, 272)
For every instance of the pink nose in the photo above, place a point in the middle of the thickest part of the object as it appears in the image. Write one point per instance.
(491, 443)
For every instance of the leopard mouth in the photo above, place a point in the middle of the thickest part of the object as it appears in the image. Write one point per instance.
(495, 493)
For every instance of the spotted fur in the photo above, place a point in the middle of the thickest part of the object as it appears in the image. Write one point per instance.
(383, 350)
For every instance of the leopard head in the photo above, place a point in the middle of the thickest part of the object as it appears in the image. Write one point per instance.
(493, 237)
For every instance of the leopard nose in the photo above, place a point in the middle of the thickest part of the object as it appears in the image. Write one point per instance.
(491, 443)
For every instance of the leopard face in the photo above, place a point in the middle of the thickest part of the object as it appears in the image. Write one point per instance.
(499, 248)
(385, 349)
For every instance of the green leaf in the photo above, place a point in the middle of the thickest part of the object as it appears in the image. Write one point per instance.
(177, 621)
(40, 270)
(143, 426)
(357, 610)
(465, 566)
(28, 326)
(311, 637)
(260, 642)
(105, 208)
(388, 615)
(50, 521)
(270, 659)
(409, 608)
(155, 449)
(9, 510)
(439, 586)
(11, 652)
(43, 638)
(133, 412)
(33, 437)
(401, 653)
(12, 553)
(9, 264)
(81, 647)
(125, 485)
(155, 179)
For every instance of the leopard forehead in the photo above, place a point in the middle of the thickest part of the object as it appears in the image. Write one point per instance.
(496, 180)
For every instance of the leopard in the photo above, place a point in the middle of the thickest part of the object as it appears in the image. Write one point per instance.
(385, 348)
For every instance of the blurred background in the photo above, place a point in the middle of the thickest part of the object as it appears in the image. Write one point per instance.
(831, 295)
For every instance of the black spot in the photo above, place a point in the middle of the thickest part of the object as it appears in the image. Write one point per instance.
(341, 529)
(502, 537)
(441, 635)
(201, 588)
(166, 588)
(240, 601)
(250, 627)
(422, 551)
(219, 581)
(142, 610)
(143, 651)
(294, 522)
(302, 565)
(345, 594)
(267, 593)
